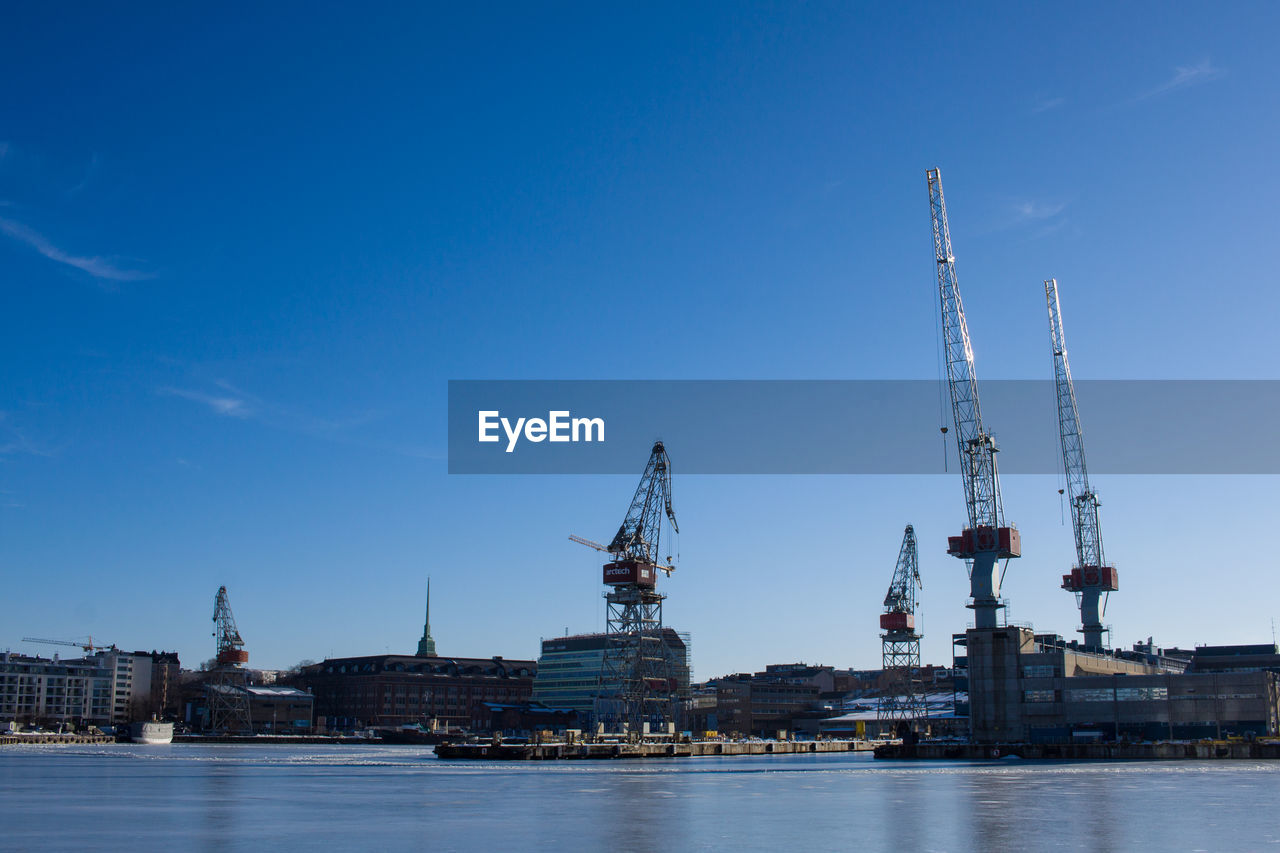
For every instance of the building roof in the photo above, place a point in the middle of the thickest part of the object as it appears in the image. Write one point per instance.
(496, 667)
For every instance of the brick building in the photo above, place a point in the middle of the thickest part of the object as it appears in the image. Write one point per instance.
(394, 690)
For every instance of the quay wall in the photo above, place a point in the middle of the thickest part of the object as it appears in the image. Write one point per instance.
(1159, 750)
(694, 749)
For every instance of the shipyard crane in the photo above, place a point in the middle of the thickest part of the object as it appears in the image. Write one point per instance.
(639, 684)
(227, 689)
(638, 536)
(987, 540)
(89, 646)
(1091, 579)
(903, 697)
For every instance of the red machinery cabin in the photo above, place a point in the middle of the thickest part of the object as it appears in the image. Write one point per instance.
(1092, 577)
(233, 656)
(1005, 541)
(622, 572)
(898, 621)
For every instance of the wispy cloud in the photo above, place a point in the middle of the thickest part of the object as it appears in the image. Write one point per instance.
(1033, 217)
(14, 440)
(96, 266)
(89, 172)
(1046, 104)
(231, 402)
(1190, 75)
(1034, 211)
(231, 407)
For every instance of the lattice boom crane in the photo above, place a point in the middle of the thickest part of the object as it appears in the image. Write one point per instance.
(1091, 579)
(987, 539)
(903, 697)
(230, 647)
(637, 662)
(227, 689)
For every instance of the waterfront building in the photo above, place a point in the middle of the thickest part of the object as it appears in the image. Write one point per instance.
(273, 708)
(761, 704)
(572, 673)
(110, 687)
(394, 690)
(43, 691)
(1036, 687)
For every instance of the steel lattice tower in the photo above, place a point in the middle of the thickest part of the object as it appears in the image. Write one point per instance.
(637, 664)
(904, 696)
(227, 689)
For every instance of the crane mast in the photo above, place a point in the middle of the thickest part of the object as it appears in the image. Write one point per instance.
(903, 698)
(1091, 579)
(637, 662)
(987, 539)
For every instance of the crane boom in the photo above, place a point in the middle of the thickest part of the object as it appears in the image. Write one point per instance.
(89, 645)
(639, 536)
(230, 645)
(901, 597)
(987, 539)
(977, 449)
(589, 543)
(1091, 576)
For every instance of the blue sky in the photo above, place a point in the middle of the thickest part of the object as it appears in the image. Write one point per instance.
(242, 256)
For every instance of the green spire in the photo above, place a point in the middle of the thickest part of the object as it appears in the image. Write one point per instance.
(427, 646)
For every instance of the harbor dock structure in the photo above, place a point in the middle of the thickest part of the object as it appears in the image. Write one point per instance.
(1035, 688)
(569, 750)
(1155, 750)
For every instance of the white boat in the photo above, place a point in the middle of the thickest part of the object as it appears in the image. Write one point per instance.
(151, 732)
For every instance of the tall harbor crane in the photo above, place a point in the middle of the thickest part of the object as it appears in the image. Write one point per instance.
(903, 698)
(637, 665)
(987, 540)
(1091, 579)
(227, 688)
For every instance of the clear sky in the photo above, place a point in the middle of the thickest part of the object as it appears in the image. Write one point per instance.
(242, 250)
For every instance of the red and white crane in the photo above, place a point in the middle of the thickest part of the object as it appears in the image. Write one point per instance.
(1091, 579)
(987, 539)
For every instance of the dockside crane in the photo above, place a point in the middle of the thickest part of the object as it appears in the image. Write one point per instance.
(640, 687)
(1091, 579)
(903, 698)
(227, 690)
(987, 540)
(89, 646)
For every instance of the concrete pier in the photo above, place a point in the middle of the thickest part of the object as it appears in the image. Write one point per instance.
(693, 749)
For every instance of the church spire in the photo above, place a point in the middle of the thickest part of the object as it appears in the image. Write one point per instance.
(427, 645)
